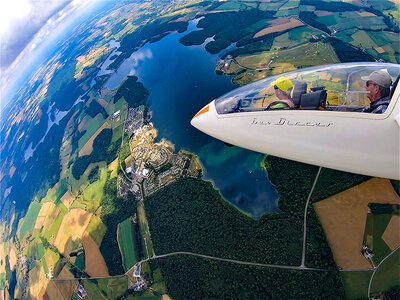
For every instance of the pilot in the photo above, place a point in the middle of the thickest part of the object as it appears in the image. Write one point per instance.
(378, 85)
(282, 86)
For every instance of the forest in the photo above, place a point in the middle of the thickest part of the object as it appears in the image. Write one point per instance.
(199, 220)
(114, 210)
(102, 150)
(133, 91)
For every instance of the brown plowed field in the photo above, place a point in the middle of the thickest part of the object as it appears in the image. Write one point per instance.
(281, 25)
(67, 199)
(343, 217)
(95, 265)
(391, 236)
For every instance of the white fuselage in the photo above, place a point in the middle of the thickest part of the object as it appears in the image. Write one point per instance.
(356, 142)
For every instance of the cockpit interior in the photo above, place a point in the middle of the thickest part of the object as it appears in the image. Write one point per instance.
(331, 88)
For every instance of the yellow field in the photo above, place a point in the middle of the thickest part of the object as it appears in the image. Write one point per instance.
(67, 199)
(51, 258)
(281, 25)
(343, 217)
(95, 265)
(113, 167)
(13, 258)
(46, 216)
(72, 227)
(391, 236)
(88, 147)
(37, 280)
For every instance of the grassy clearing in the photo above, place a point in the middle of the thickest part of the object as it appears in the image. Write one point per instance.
(30, 219)
(78, 185)
(117, 287)
(113, 167)
(387, 275)
(96, 229)
(144, 233)
(93, 193)
(356, 284)
(374, 229)
(117, 133)
(127, 243)
(92, 290)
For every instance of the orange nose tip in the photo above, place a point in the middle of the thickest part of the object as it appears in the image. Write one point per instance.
(203, 110)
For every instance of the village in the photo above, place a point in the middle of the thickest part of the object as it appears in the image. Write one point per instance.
(152, 166)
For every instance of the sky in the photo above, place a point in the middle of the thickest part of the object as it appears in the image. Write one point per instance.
(25, 25)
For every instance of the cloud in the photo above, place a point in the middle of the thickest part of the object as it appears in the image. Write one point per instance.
(21, 20)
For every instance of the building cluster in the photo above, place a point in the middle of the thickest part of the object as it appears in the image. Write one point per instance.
(367, 252)
(134, 120)
(152, 165)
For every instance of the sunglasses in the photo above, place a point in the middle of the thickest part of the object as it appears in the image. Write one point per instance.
(368, 83)
(276, 88)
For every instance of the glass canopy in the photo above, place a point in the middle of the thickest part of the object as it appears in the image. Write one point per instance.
(339, 86)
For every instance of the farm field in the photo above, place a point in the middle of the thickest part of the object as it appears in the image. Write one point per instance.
(127, 243)
(343, 217)
(92, 125)
(52, 232)
(96, 229)
(356, 284)
(95, 265)
(46, 216)
(88, 147)
(30, 219)
(72, 227)
(387, 275)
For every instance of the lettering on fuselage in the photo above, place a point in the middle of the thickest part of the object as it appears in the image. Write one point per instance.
(287, 122)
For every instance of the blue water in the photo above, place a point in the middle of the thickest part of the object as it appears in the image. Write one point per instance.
(181, 80)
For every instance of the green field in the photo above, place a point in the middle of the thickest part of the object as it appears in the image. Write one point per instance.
(356, 284)
(362, 38)
(127, 243)
(375, 227)
(80, 262)
(57, 223)
(302, 33)
(114, 287)
(93, 193)
(96, 229)
(91, 127)
(388, 274)
(35, 250)
(30, 219)
(92, 290)
(144, 233)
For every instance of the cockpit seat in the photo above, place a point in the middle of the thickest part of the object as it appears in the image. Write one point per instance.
(299, 89)
(314, 100)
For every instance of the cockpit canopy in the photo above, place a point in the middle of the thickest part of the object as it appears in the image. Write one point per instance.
(337, 87)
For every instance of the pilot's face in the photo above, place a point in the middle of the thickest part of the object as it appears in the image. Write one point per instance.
(373, 90)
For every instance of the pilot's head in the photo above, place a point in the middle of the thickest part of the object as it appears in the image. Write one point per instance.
(282, 87)
(377, 84)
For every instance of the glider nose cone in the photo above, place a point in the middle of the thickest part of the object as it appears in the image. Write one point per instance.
(200, 119)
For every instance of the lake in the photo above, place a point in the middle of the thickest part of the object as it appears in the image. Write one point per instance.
(181, 80)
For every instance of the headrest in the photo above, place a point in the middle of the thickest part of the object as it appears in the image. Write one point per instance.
(299, 88)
